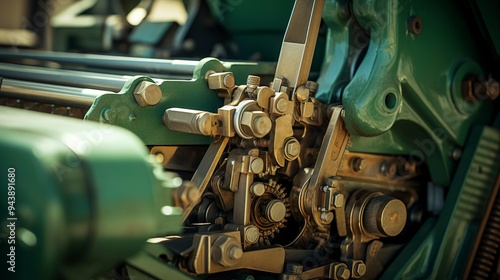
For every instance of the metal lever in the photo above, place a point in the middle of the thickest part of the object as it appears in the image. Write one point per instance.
(298, 45)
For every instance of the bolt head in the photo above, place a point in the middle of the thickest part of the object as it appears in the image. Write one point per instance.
(256, 123)
(257, 165)
(338, 200)
(252, 234)
(359, 268)
(343, 273)
(147, 94)
(225, 251)
(292, 149)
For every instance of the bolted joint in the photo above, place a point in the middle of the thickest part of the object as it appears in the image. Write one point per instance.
(291, 149)
(221, 81)
(226, 251)
(256, 123)
(358, 268)
(147, 94)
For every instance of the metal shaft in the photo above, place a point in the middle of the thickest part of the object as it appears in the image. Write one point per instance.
(51, 94)
(134, 64)
(70, 78)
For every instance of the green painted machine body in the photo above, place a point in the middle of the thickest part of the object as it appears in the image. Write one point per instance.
(401, 86)
(71, 211)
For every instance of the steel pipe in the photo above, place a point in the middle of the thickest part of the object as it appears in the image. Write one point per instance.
(51, 94)
(141, 65)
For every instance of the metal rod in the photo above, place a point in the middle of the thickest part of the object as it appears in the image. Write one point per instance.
(142, 65)
(51, 94)
(71, 78)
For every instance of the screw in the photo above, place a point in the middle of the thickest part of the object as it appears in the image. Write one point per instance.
(292, 149)
(475, 88)
(338, 200)
(147, 94)
(388, 169)
(253, 82)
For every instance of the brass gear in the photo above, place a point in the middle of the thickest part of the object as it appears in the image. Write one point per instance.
(274, 195)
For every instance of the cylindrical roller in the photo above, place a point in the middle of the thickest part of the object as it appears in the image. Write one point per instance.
(384, 216)
(51, 94)
(135, 64)
(64, 77)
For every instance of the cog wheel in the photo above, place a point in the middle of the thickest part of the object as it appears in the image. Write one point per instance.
(270, 212)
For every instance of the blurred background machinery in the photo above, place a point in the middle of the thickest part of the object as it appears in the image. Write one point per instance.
(237, 139)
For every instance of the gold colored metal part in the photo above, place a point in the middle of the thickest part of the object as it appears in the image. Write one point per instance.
(204, 172)
(210, 250)
(337, 271)
(298, 45)
(327, 164)
(147, 94)
(191, 121)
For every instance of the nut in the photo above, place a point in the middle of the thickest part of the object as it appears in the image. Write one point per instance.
(226, 251)
(147, 94)
(343, 272)
(358, 268)
(292, 149)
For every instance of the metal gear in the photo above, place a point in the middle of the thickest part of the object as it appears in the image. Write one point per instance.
(270, 212)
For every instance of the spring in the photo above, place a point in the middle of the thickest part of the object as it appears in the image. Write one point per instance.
(486, 258)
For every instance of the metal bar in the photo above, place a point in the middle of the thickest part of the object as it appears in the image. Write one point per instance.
(70, 78)
(298, 45)
(51, 94)
(141, 65)
(204, 172)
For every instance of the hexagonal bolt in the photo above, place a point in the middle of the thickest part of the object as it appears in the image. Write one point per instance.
(147, 94)
(343, 273)
(326, 217)
(252, 234)
(358, 164)
(291, 149)
(257, 189)
(358, 268)
(221, 81)
(302, 94)
(256, 123)
(226, 251)
(338, 200)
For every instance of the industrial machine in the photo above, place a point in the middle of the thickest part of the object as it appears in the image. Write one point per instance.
(380, 159)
